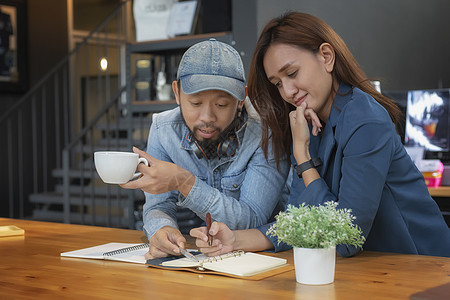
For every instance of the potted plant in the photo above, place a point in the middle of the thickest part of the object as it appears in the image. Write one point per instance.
(314, 232)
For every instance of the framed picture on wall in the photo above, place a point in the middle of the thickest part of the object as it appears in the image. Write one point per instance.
(183, 18)
(13, 59)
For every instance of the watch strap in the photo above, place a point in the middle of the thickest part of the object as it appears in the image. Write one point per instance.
(312, 163)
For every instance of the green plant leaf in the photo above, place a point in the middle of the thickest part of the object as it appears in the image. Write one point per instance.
(316, 226)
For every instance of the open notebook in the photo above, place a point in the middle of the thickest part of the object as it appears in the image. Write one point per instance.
(126, 252)
(235, 264)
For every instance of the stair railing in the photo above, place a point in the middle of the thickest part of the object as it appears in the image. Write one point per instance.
(51, 126)
(83, 144)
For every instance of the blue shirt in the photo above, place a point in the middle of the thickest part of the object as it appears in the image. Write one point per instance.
(243, 191)
(367, 169)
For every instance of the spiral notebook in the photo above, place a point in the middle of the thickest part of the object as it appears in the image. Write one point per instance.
(125, 252)
(240, 264)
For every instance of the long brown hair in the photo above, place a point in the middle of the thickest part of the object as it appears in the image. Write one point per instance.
(307, 32)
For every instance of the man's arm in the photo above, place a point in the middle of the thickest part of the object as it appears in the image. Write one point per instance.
(226, 240)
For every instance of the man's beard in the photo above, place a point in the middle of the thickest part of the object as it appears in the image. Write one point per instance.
(212, 148)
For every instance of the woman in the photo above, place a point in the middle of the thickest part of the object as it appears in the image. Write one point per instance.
(345, 146)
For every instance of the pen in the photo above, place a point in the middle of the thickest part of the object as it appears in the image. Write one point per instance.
(188, 255)
(208, 227)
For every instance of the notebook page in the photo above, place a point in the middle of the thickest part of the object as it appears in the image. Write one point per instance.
(247, 264)
(96, 252)
(184, 262)
(136, 256)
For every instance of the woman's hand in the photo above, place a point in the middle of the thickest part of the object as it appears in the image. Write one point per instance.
(299, 120)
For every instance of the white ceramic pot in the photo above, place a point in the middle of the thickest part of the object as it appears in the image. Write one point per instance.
(314, 266)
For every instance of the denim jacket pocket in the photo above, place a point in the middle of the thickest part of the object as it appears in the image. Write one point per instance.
(231, 185)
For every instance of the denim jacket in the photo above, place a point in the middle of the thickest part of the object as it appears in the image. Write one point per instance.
(243, 191)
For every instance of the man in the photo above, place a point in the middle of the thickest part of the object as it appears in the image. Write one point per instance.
(205, 155)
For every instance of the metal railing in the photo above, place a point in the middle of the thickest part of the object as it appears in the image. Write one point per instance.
(53, 130)
(84, 145)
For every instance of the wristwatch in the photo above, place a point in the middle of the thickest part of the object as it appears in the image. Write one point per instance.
(312, 163)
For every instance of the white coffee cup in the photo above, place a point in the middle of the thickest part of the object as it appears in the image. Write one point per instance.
(117, 167)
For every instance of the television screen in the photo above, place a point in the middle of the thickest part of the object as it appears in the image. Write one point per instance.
(427, 120)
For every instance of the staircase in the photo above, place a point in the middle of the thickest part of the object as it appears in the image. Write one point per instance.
(52, 132)
(92, 201)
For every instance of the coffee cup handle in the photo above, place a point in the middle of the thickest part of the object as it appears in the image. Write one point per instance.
(140, 161)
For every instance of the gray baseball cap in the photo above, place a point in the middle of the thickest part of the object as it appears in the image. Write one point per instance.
(212, 65)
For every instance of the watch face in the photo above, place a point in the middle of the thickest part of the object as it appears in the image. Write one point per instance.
(317, 162)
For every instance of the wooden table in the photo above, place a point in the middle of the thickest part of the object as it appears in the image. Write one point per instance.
(442, 191)
(31, 267)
